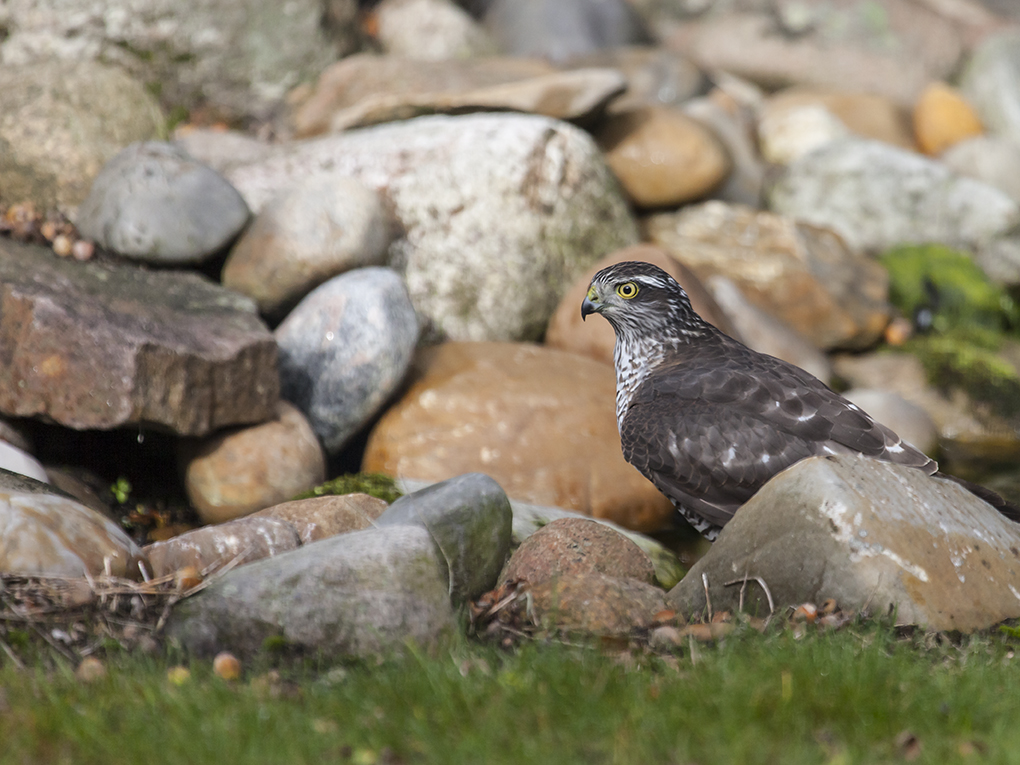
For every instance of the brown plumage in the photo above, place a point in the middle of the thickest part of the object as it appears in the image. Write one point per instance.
(707, 419)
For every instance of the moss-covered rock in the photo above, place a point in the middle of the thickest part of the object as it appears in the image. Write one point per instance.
(949, 287)
(374, 484)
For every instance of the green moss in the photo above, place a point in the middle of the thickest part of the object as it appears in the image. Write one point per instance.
(373, 484)
(949, 284)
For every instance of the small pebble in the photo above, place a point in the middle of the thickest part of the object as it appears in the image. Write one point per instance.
(62, 245)
(90, 670)
(664, 638)
(48, 230)
(227, 666)
(187, 577)
(83, 249)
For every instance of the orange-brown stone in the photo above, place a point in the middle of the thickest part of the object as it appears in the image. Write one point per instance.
(942, 118)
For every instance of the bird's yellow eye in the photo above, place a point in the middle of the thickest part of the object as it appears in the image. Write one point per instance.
(627, 290)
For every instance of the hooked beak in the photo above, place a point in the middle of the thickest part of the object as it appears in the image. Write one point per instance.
(590, 304)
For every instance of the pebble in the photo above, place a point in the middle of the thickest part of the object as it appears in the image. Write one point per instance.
(991, 83)
(943, 118)
(344, 350)
(991, 159)
(226, 666)
(90, 670)
(430, 30)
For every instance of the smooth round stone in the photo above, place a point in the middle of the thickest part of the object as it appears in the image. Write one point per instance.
(786, 134)
(155, 203)
(942, 118)
(304, 236)
(991, 82)
(345, 348)
(430, 30)
(992, 159)
(247, 469)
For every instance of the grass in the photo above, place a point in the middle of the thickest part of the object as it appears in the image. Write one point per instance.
(858, 695)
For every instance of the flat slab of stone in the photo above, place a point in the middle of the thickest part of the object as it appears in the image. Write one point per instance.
(99, 345)
(874, 536)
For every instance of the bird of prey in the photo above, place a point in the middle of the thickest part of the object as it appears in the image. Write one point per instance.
(707, 419)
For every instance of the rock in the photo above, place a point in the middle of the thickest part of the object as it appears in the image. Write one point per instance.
(350, 596)
(764, 332)
(212, 547)
(733, 127)
(561, 29)
(569, 332)
(795, 131)
(541, 422)
(993, 160)
(871, 535)
(46, 533)
(154, 203)
(430, 30)
(19, 461)
(304, 236)
(469, 519)
(908, 420)
(104, 345)
(59, 124)
(593, 603)
(323, 517)
(344, 350)
(876, 196)
(221, 150)
(845, 48)
(243, 470)
(655, 76)
(942, 118)
(487, 203)
(991, 83)
(804, 275)
(661, 156)
(573, 546)
(83, 485)
(240, 59)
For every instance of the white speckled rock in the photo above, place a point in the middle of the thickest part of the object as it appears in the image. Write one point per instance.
(991, 82)
(345, 348)
(875, 196)
(500, 212)
(44, 533)
(154, 202)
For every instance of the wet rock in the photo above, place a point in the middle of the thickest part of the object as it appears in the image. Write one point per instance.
(594, 604)
(350, 596)
(842, 48)
(21, 462)
(802, 274)
(208, 549)
(569, 332)
(661, 156)
(241, 59)
(908, 420)
(733, 126)
(154, 203)
(991, 83)
(471, 237)
(243, 470)
(59, 124)
(655, 76)
(541, 422)
(430, 30)
(323, 517)
(91, 345)
(304, 236)
(561, 29)
(942, 118)
(46, 533)
(991, 159)
(574, 546)
(873, 536)
(344, 350)
(469, 519)
(876, 196)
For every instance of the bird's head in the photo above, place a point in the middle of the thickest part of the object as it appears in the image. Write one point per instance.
(638, 298)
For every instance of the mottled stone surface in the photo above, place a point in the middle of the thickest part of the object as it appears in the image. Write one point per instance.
(430, 30)
(991, 82)
(593, 604)
(322, 517)
(98, 345)
(871, 535)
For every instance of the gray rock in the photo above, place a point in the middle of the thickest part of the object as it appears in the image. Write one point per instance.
(304, 236)
(991, 83)
(104, 345)
(1000, 259)
(60, 122)
(212, 547)
(875, 196)
(344, 349)
(907, 419)
(349, 596)
(155, 203)
(430, 30)
(991, 159)
(656, 76)
(487, 203)
(239, 57)
(469, 519)
(746, 179)
(873, 536)
(44, 532)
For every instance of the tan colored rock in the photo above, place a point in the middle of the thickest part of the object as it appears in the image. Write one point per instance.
(541, 422)
(212, 547)
(430, 30)
(572, 546)
(943, 118)
(661, 156)
(321, 517)
(243, 470)
(593, 603)
(569, 332)
(785, 135)
(802, 274)
(43, 533)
